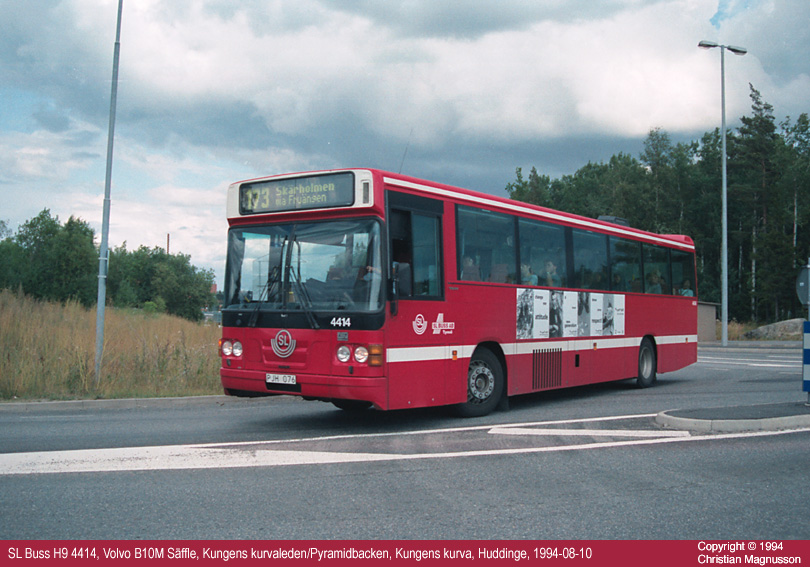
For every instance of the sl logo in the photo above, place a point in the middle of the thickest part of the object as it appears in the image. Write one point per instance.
(283, 344)
(420, 324)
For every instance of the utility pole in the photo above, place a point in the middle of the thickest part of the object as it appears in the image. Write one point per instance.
(103, 255)
(724, 189)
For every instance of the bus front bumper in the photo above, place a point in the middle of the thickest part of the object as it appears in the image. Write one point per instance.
(316, 386)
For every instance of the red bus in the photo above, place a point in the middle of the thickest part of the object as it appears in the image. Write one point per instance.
(366, 288)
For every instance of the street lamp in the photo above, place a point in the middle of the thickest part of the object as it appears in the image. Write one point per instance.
(103, 256)
(724, 248)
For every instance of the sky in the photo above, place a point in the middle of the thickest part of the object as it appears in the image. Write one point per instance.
(216, 91)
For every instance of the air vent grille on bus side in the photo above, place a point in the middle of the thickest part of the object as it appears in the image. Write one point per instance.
(546, 368)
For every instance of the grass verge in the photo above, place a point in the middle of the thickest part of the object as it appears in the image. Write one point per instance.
(47, 351)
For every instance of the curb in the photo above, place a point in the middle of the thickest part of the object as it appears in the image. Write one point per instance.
(124, 403)
(769, 417)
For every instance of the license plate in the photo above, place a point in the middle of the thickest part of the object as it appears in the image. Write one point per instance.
(280, 378)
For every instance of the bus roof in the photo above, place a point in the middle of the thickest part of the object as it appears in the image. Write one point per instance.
(504, 204)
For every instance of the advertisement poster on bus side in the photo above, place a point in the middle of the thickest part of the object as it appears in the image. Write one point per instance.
(543, 314)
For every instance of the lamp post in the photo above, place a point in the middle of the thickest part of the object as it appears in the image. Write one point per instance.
(103, 256)
(724, 247)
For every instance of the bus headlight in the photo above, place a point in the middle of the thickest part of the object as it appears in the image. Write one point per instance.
(227, 348)
(230, 348)
(344, 353)
(361, 354)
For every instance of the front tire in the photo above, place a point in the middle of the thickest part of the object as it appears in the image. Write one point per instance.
(485, 384)
(647, 364)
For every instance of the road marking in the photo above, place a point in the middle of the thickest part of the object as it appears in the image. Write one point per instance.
(178, 457)
(250, 454)
(432, 431)
(762, 364)
(551, 431)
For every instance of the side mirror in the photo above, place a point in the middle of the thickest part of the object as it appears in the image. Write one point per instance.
(394, 291)
(401, 283)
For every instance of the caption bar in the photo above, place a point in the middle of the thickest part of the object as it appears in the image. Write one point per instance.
(626, 553)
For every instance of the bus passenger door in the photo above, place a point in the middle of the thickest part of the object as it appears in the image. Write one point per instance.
(417, 334)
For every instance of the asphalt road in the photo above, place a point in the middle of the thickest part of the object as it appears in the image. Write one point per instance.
(584, 463)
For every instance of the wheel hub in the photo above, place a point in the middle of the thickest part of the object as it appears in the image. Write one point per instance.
(482, 382)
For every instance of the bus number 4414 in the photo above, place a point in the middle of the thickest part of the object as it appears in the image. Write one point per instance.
(341, 322)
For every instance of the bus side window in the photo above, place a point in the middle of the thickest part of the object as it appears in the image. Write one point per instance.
(625, 265)
(415, 252)
(657, 276)
(486, 246)
(590, 260)
(542, 254)
(683, 273)
(426, 241)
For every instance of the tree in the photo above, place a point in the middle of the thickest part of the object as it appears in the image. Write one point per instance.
(50, 261)
(676, 188)
(760, 210)
(536, 190)
(73, 259)
(58, 262)
(11, 264)
(796, 178)
(166, 282)
(658, 157)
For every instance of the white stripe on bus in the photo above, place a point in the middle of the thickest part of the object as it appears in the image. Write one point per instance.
(427, 353)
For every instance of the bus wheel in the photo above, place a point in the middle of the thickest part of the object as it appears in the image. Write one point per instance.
(352, 405)
(646, 364)
(484, 384)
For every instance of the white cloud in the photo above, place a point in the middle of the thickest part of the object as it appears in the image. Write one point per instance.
(215, 91)
(40, 155)
(193, 219)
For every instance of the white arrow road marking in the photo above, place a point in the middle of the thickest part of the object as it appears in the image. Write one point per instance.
(265, 454)
(587, 432)
(167, 458)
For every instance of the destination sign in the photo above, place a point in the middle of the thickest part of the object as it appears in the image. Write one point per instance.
(297, 194)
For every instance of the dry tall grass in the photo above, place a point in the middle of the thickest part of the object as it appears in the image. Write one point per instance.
(47, 351)
(736, 330)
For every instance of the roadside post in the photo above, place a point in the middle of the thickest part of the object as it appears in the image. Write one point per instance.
(803, 291)
(806, 361)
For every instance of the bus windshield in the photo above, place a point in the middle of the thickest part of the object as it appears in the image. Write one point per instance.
(323, 266)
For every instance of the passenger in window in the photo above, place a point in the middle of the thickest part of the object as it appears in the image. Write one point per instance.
(526, 275)
(549, 277)
(653, 283)
(686, 289)
(469, 271)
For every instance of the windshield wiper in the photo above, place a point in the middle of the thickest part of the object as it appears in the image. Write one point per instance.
(306, 300)
(270, 289)
(300, 290)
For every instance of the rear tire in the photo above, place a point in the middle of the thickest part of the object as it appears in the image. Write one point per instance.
(485, 384)
(647, 364)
